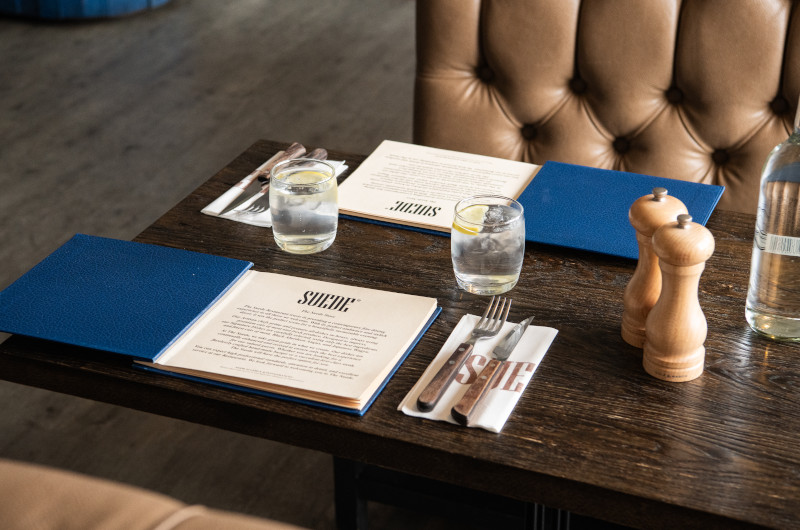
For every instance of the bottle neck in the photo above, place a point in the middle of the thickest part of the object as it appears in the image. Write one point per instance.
(797, 118)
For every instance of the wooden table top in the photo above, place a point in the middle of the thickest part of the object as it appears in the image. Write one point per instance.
(593, 433)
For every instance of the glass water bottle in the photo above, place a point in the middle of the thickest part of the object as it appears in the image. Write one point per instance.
(773, 298)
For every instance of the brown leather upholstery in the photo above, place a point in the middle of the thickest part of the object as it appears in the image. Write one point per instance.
(697, 90)
(34, 497)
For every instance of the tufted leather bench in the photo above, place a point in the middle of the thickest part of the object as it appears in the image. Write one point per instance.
(34, 497)
(698, 90)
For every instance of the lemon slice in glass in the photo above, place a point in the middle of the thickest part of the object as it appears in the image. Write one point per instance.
(469, 220)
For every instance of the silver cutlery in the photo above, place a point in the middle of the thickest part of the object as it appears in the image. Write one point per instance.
(468, 403)
(293, 151)
(262, 203)
(488, 326)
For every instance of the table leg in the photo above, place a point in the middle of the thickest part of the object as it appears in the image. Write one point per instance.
(351, 508)
(357, 484)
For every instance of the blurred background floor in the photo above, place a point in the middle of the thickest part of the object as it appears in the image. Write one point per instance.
(104, 125)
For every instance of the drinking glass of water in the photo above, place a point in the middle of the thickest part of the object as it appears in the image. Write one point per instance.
(303, 200)
(487, 243)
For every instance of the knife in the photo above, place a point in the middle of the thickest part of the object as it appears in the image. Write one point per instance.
(468, 402)
(260, 199)
(250, 185)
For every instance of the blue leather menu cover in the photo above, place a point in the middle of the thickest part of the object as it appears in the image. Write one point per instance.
(587, 208)
(119, 296)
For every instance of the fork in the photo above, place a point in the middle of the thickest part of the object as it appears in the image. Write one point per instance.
(262, 203)
(488, 326)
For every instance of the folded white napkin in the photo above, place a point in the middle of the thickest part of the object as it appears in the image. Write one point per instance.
(239, 214)
(498, 402)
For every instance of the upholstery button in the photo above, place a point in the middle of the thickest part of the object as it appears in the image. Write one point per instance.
(484, 73)
(622, 145)
(779, 105)
(720, 157)
(528, 131)
(577, 85)
(674, 95)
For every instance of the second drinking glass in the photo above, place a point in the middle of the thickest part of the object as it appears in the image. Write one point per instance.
(488, 243)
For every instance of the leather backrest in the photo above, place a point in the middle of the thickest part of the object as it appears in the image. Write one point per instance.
(698, 90)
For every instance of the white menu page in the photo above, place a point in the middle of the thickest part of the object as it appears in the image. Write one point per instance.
(419, 186)
(314, 340)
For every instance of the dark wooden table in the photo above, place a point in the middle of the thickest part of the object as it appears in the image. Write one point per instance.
(593, 433)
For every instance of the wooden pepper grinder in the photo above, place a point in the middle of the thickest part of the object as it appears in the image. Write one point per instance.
(676, 326)
(641, 294)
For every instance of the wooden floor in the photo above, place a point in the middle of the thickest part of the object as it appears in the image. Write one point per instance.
(104, 125)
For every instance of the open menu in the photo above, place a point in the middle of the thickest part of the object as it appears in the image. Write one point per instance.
(419, 186)
(568, 205)
(201, 316)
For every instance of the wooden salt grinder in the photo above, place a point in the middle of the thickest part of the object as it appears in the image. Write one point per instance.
(676, 326)
(646, 215)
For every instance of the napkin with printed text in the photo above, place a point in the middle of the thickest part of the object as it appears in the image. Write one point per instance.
(512, 379)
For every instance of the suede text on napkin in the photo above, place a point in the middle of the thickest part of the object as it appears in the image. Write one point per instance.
(512, 379)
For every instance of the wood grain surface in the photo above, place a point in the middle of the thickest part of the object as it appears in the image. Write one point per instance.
(593, 432)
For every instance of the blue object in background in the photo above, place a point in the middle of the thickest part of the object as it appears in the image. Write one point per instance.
(587, 208)
(75, 9)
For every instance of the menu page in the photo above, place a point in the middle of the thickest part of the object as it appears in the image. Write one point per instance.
(419, 186)
(300, 337)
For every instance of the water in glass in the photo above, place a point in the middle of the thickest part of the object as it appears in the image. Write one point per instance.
(488, 245)
(303, 202)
